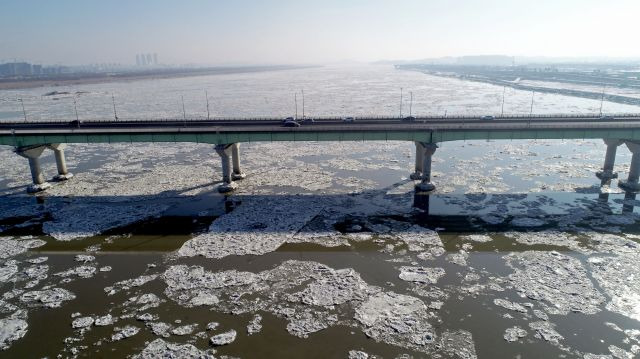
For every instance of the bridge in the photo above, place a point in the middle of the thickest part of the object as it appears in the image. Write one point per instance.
(30, 139)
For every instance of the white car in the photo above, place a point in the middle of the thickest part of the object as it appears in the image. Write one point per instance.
(348, 119)
(488, 118)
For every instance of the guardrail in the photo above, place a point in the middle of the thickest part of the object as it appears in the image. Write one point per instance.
(615, 116)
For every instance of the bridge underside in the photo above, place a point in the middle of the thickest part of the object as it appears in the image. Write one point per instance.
(231, 137)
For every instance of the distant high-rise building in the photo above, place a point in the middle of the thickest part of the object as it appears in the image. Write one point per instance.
(149, 59)
(155, 59)
(138, 62)
(143, 60)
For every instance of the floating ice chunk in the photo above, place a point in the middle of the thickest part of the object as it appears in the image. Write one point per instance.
(335, 287)
(161, 349)
(123, 333)
(37, 260)
(7, 272)
(419, 238)
(357, 354)
(50, 298)
(546, 237)
(458, 344)
(80, 271)
(11, 329)
(396, 319)
(10, 247)
(146, 317)
(184, 329)
(104, 320)
(84, 258)
(212, 325)
(254, 325)
(509, 305)
(545, 330)
(459, 258)
(307, 322)
(620, 353)
(82, 322)
(105, 269)
(421, 274)
(204, 298)
(130, 283)
(160, 328)
(480, 238)
(514, 333)
(224, 338)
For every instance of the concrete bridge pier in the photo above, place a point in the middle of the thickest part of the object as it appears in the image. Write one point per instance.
(428, 150)
(237, 174)
(61, 163)
(609, 160)
(631, 184)
(417, 174)
(225, 152)
(32, 153)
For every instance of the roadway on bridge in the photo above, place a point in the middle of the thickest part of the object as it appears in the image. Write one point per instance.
(372, 124)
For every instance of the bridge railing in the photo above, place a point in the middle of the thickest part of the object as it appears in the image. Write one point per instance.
(333, 118)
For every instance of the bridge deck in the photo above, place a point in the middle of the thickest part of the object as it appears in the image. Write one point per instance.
(426, 129)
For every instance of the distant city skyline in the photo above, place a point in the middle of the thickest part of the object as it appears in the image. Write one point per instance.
(248, 32)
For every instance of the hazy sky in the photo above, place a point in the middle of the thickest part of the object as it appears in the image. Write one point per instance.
(299, 31)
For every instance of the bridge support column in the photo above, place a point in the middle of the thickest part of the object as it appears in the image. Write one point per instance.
(631, 184)
(61, 163)
(227, 179)
(237, 174)
(32, 153)
(609, 160)
(428, 150)
(417, 174)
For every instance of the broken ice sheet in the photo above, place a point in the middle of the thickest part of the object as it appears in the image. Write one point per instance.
(12, 328)
(557, 281)
(618, 277)
(421, 274)
(259, 225)
(161, 349)
(79, 220)
(12, 246)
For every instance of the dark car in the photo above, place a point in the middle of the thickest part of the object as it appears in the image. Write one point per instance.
(75, 123)
(409, 119)
(348, 119)
(487, 118)
(288, 119)
(291, 123)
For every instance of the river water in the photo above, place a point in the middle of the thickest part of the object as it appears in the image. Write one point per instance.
(325, 250)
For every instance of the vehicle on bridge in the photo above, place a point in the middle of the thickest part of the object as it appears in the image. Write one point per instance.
(488, 118)
(75, 123)
(409, 119)
(291, 123)
(348, 119)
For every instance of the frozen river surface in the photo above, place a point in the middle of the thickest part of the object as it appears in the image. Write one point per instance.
(325, 250)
